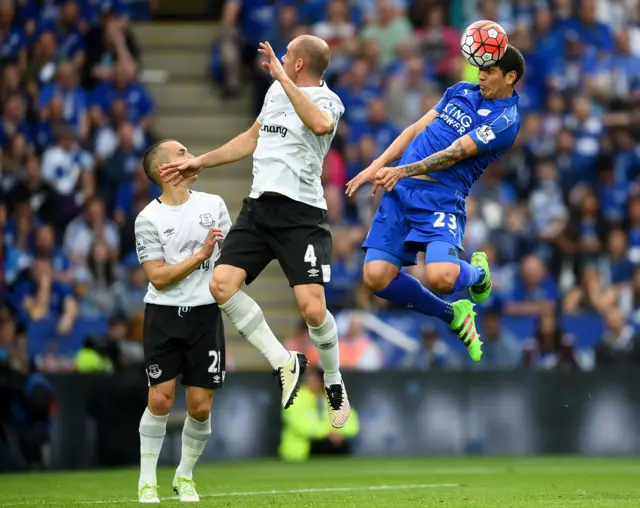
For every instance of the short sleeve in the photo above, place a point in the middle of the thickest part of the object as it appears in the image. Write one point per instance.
(224, 220)
(332, 105)
(500, 134)
(148, 244)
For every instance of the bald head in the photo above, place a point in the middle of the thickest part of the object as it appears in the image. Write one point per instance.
(314, 52)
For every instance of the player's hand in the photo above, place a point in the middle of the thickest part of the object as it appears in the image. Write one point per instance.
(214, 236)
(273, 65)
(366, 175)
(387, 178)
(178, 171)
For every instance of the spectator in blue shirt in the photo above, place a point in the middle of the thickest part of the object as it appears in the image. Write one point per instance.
(13, 121)
(68, 32)
(590, 30)
(126, 88)
(13, 40)
(46, 248)
(379, 127)
(42, 297)
(612, 194)
(355, 92)
(534, 292)
(70, 171)
(74, 98)
(41, 69)
(122, 164)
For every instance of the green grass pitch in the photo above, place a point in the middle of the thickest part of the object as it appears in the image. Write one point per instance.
(370, 483)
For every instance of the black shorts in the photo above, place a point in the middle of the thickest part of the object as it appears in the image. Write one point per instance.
(187, 341)
(277, 227)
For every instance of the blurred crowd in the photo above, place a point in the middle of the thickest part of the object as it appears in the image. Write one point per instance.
(74, 120)
(558, 215)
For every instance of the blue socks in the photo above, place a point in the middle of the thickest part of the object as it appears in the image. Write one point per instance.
(469, 276)
(407, 291)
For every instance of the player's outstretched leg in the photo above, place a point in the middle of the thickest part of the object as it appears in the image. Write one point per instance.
(195, 434)
(153, 426)
(323, 332)
(247, 317)
(382, 276)
(481, 290)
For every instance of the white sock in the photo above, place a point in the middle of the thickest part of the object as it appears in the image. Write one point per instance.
(195, 435)
(247, 317)
(325, 339)
(152, 431)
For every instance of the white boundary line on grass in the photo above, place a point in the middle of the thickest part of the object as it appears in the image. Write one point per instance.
(370, 488)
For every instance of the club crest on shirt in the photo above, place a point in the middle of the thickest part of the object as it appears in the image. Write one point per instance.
(206, 220)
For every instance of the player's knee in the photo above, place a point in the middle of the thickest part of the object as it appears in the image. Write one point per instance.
(160, 400)
(442, 281)
(314, 311)
(200, 409)
(221, 288)
(377, 276)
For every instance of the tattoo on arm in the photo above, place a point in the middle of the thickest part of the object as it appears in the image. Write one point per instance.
(436, 162)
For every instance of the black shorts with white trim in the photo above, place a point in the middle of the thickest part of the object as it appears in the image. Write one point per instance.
(277, 227)
(187, 341)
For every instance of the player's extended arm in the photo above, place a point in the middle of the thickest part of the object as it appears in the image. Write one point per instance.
(397, 148)
(317, 120)
(462, 148)
(243, 145)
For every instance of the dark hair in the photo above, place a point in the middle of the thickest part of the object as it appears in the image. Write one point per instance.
(512, 61)
(150, 160)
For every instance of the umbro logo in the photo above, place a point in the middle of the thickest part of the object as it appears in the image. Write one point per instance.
(169, 232)
(313, 272)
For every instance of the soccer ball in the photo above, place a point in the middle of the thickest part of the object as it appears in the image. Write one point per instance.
(483, 43)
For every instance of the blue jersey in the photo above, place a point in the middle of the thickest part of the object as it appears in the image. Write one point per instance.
(493, 125)
(417, 212)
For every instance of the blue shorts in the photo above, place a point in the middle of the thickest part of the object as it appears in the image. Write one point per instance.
(415, 213)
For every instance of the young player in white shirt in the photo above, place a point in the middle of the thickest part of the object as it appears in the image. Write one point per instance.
(284, 216)
(178, 242)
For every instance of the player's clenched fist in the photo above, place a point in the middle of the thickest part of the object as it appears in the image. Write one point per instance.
(214, 236)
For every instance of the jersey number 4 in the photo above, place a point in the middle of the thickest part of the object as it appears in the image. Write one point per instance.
(310, 256)
(451, 223)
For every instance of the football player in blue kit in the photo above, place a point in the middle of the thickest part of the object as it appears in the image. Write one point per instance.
(423, 208)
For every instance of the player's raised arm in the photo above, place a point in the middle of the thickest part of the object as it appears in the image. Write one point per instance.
(500, 134)
(243, 145)
(318, 120)
(393, 152)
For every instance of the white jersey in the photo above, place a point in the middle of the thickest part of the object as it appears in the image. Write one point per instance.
(289, 157)
(174, 233)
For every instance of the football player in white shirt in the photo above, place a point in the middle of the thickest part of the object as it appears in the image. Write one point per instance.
(285, 216)
(177, 242)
